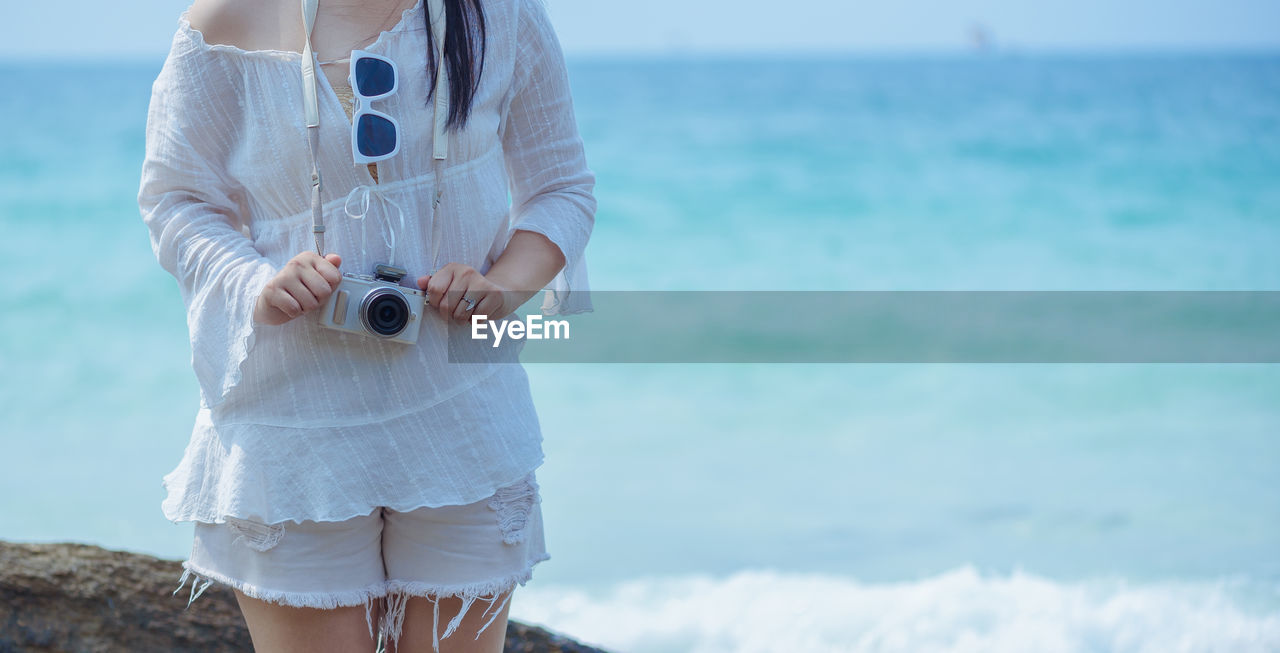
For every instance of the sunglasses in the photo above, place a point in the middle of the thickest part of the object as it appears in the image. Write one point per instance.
(375, 136)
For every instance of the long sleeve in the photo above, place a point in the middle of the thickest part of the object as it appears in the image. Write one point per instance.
(189, 206)
(551, 185)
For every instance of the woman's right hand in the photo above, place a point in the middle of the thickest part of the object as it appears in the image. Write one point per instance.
(303, 285)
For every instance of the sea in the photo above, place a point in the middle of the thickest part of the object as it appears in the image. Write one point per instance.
(753, 507)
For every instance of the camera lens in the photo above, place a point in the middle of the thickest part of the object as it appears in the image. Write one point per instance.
(385, 312)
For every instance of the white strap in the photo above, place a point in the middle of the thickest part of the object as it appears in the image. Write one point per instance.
(439, 28)
(439, 140)
(312, 103)
(309, 96)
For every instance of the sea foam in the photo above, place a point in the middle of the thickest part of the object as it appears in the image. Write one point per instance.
(961, 610)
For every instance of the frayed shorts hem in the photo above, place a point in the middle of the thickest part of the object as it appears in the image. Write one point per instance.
(393, 594)
(202, 578)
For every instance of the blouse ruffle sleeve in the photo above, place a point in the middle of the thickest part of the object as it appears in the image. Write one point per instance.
(551, 185)
(191, 210)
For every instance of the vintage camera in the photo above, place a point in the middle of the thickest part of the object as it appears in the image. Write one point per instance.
(376, 306)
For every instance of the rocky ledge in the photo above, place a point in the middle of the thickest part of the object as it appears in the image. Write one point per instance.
(64, 596)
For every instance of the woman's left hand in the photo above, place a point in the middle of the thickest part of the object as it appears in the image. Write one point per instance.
(450, 284)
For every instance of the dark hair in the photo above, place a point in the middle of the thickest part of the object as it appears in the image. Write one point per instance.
(464, 48)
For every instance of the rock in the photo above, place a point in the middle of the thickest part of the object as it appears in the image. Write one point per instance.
(64, 596)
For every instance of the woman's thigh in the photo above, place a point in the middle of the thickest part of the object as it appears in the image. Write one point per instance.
(302, 586)
(276, 628)
(451, 570)
(486, 629)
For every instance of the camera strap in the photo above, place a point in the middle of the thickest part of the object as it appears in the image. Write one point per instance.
(439, 140)
(311, 102)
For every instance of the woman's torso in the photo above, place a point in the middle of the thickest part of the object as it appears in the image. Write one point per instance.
(302, 373)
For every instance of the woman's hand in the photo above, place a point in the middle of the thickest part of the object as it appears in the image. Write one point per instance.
(450, 284)
(529, 261)
(303, 285)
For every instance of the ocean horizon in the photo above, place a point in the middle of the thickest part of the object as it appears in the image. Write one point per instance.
(773, 507)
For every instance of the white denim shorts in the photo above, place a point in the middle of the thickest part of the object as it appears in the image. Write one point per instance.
(476, 551)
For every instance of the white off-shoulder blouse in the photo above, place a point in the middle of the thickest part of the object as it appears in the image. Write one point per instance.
(301, 422)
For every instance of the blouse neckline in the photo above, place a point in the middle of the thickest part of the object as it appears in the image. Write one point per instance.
(368, 174)
(197, 37)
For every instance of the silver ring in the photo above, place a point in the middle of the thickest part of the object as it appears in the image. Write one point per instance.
(471, 304)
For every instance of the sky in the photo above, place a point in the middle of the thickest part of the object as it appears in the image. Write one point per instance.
(144, 28)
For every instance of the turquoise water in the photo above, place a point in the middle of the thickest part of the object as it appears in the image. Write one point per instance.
(717, 507)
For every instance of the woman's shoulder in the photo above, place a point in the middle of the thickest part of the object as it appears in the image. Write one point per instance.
(513, 12)
(235, 23)
(204, 66)
(533, 20)
(525, 9)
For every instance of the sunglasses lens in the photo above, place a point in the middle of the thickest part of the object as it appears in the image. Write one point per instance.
(374, 77)
(375, 136)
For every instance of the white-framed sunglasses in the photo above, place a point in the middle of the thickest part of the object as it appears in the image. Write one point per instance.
(375, 136)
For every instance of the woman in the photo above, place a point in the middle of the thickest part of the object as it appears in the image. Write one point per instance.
(331, 471)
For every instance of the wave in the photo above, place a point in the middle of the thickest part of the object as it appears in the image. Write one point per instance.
(958, 611)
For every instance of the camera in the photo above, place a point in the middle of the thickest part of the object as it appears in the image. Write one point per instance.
(376, 305)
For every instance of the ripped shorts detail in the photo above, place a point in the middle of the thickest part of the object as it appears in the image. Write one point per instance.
(256, 535)
(513, 504)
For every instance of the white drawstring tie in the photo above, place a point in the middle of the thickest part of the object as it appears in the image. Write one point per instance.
(361, 195)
